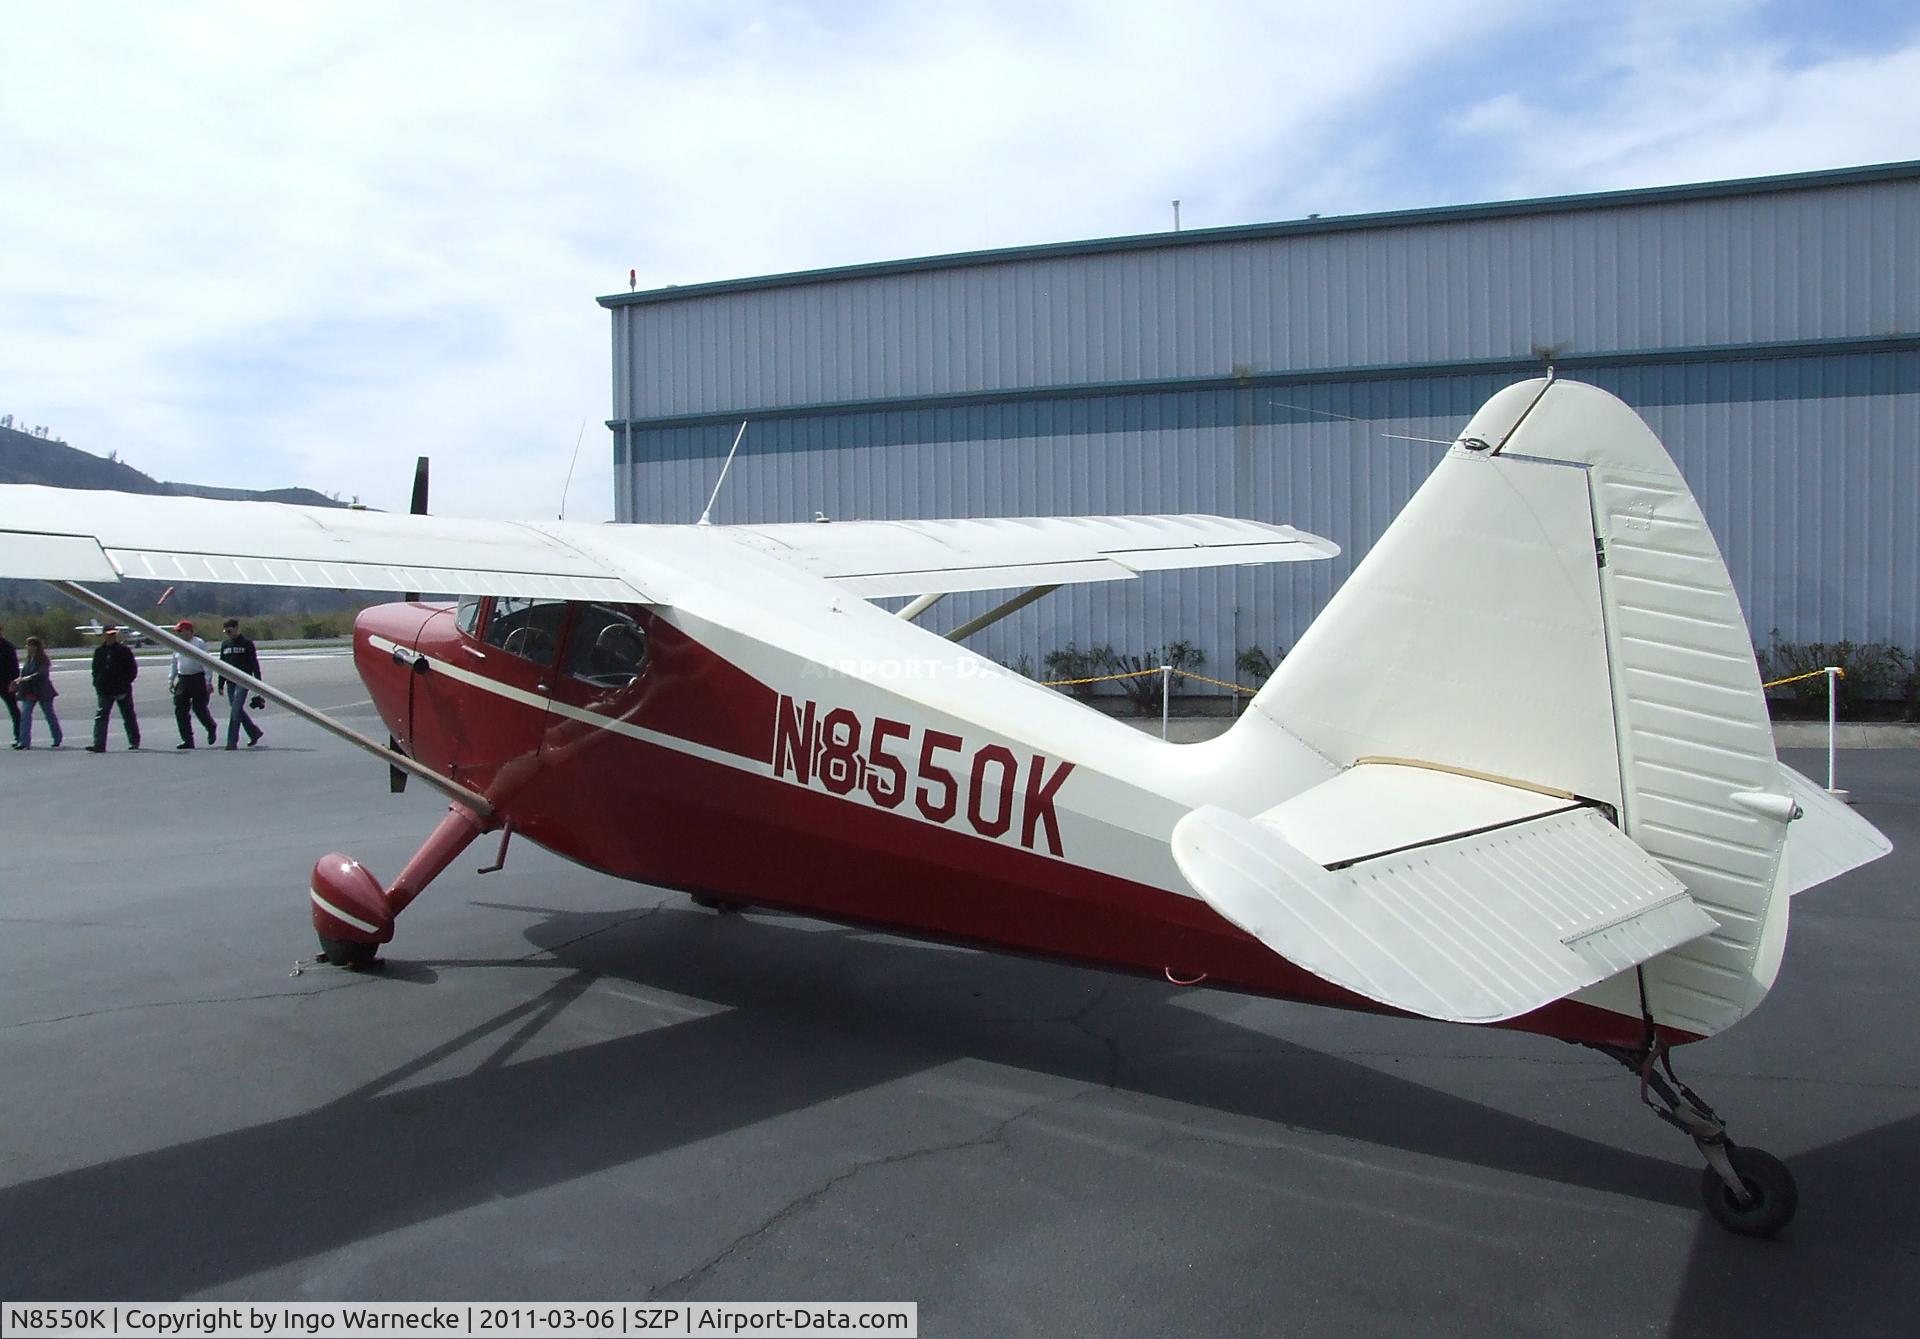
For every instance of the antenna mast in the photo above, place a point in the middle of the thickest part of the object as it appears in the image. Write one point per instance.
(723, 472)
(578, 437)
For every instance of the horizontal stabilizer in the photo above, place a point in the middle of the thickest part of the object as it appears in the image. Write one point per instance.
(1828, 839)
(1472, 925)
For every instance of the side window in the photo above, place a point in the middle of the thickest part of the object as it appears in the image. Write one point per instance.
(467, 616)
(529, 628)
(607, 648)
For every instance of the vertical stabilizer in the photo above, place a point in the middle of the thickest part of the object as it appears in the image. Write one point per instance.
(1551, 609)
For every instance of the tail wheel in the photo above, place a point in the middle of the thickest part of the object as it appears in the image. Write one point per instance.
(1772, 1194)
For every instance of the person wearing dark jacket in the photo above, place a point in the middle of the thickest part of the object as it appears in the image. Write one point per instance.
(237, 651)
(114, 670)
(9, 671)
(35, 686)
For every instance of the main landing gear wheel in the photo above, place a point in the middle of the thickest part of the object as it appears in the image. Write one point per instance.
(1771, 1194)
(347, 952)
(719, 906)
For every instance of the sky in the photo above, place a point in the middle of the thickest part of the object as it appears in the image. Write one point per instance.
(263, 245)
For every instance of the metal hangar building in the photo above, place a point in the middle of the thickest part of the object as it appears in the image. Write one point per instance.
(1768, 330)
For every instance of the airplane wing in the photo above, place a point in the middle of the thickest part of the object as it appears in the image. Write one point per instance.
(876, 558)
(1439, 893)
(71, 535)
(61, 534)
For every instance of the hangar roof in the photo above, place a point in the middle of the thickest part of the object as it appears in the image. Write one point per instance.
(1556, 204)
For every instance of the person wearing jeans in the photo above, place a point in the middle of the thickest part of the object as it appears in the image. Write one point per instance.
(36, 689)
(238, 651)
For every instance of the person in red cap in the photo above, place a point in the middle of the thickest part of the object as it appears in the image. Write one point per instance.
(189, 684)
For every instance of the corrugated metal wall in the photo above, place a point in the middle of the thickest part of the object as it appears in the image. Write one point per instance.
(1822, 534)
(1798, 265)
(1806, 458)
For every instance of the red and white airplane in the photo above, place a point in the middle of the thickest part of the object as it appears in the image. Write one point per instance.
(1518, 772)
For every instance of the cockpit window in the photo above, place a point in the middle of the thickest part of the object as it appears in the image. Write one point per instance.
(467, 616)
(529, 628)
(607, 648)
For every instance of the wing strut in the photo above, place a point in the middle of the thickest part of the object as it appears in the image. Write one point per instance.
(921, 605)
(453, 790)
(994, 615)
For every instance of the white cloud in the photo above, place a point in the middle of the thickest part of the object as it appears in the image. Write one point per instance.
(261, 245)
(1685, 94)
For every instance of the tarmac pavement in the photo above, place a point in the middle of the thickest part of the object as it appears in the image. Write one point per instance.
(563, 1087)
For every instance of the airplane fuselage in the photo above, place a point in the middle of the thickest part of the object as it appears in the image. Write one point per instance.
(858, 789)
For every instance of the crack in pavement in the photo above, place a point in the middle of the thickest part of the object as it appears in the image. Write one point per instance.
(1078, 1021)
(819, 1192)
(181, 1004)
(350, 980)
(635, 919)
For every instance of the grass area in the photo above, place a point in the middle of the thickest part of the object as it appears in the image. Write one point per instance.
(57, 627)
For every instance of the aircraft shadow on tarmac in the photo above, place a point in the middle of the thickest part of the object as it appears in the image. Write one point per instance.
(811, 1015)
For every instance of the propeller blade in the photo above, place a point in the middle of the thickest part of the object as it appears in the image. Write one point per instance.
(417, 508)
(396, 778)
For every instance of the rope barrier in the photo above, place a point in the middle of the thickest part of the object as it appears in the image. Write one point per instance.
(1220, 682)
(1242, 688)
(1171, 673)
(1098, 678)
(1816, 674)
(1140, 674)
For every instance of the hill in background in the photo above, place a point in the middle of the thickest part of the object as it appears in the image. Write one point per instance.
(29, 459)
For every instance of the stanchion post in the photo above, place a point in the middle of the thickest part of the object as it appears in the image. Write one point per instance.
(1834, 674)
(1166, 696)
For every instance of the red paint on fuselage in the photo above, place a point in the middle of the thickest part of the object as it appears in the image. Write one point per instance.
(650, 812)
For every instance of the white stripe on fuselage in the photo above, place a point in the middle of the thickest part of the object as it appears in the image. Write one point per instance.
(1088, 856)
(674, 742)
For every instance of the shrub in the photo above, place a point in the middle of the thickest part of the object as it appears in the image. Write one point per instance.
(1254, 663)
(1070, 662)
(1145, 690)
(1871, 671)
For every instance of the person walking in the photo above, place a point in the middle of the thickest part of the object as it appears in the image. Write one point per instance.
(114, 670)
(9, 671)
(35, 686)
(189, 686)
(238, 651)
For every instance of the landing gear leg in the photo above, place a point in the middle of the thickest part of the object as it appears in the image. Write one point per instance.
(353, 915)
(1747, 1191)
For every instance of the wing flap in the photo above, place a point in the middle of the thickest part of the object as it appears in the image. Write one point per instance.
(925, 581)
(1473, 926)
(876, 558)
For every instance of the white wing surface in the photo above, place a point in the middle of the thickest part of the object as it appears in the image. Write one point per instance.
(1439, 894)
(75, 535)
(876, 558)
